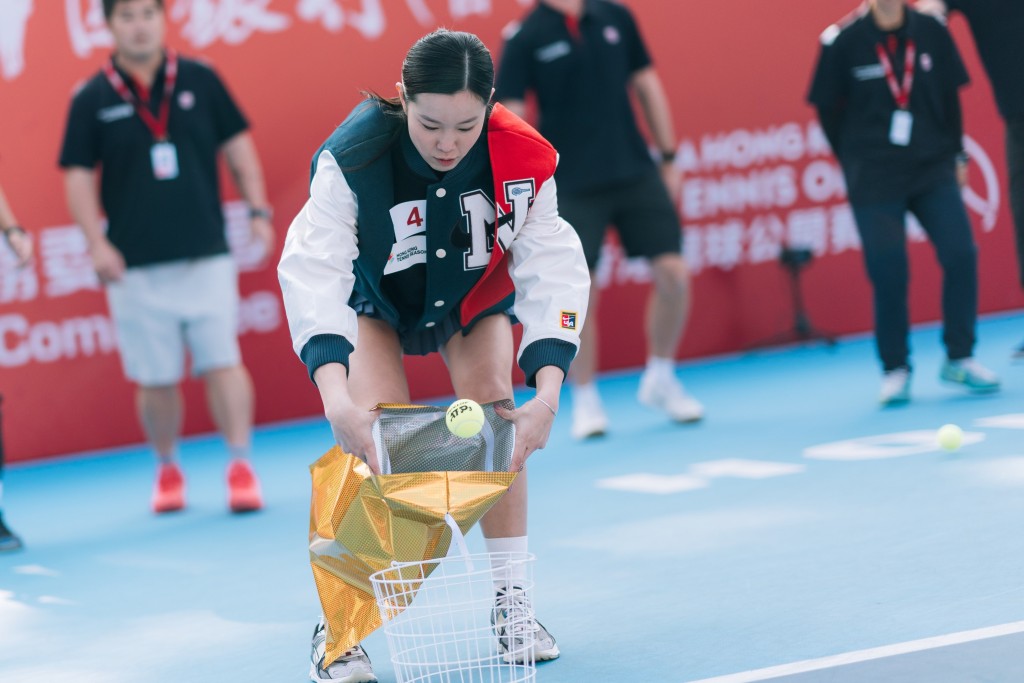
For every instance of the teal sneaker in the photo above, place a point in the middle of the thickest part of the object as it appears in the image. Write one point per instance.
(895, 387)
(971, 375)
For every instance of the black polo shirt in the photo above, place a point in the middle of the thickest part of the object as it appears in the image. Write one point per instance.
(150, 220)
(856, 105)
(580, 74)
(998, 28)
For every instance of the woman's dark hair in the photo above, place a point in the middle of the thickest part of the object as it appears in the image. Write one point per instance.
(443, 62)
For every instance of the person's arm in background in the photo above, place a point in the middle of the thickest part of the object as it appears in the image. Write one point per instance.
(512, 80)
(16, 237)
(244, 163)
(654, 104)
(831, 119)
(82, 194)
(828, 91)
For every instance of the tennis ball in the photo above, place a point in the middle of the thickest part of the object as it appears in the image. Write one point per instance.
(950, 437)
(464, 418)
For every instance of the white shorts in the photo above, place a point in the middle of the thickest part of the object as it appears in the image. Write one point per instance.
(158, 310)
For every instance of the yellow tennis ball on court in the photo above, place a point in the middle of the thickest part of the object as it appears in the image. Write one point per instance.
(464, 418)
(950, 437)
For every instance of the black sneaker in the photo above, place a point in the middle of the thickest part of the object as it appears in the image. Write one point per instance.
(351, 667)
(9, 542)
(514, 623)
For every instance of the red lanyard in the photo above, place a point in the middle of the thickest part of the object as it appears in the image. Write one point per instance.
(157, 125)
(901, 94)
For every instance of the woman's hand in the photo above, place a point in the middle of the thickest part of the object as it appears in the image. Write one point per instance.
(351, 424)
(352, 427)
(533, 422)
(107, 261)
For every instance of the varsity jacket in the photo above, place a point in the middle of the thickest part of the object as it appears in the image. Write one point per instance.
(347, 234)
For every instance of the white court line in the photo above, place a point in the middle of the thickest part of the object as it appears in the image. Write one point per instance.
(868, 655)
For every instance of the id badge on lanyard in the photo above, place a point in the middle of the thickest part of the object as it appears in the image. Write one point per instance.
(901, 127)
(902, 124)
(164, 156)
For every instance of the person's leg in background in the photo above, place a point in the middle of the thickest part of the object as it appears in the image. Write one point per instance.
(1015, 164)
(160, 410)
(211, 332)
(229, 396)
(882, 230)
(589, 214)
(152, 354)
(649, 227)
(9, 541)
(942, 214)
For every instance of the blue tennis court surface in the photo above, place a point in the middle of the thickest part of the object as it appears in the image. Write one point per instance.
(800, 534)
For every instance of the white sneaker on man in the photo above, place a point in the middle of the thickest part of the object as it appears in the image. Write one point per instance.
(352, 667)
(663, 391)
(971, 375)
(588, 416)
(895, 387)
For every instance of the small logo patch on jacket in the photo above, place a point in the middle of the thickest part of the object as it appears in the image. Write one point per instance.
(569, 320)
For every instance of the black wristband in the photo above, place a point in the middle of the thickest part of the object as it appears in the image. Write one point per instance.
(668, 157)
(261, 212)
(13, 228)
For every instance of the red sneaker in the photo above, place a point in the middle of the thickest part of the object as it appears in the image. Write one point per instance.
(169, 492)
(243, 487)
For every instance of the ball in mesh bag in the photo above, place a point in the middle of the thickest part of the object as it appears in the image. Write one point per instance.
(464, 418)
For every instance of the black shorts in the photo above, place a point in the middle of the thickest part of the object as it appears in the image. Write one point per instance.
(641, 211)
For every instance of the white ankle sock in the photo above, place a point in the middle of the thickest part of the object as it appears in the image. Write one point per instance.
(661, 367)
(509, 544)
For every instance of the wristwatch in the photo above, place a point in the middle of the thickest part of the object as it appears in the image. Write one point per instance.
(261, 212)
(668, 157)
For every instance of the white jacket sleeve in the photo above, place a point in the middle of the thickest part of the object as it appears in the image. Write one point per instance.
(316, 271)
(550, 274)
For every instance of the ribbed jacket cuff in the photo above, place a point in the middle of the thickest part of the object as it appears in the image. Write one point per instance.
(544, 352)
(322, 349)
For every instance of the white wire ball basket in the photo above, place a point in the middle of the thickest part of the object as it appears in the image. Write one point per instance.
(439, 619)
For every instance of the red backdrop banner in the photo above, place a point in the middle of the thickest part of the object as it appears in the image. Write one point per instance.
(757, 174)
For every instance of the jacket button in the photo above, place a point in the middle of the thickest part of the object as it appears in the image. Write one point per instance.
(441, 192)
(440, 253)
(438, 303)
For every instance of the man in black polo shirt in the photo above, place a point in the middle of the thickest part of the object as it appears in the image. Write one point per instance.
(582, 59)
(155, 122)
(998, 28)
(887, 92)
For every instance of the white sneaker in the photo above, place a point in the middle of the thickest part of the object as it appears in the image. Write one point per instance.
(665, 392)
(352, 667)
(971, 375)
(588, 417)
(895, 387)
(517, 628)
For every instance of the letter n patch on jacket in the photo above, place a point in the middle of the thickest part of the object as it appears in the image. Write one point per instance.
(569, 320)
